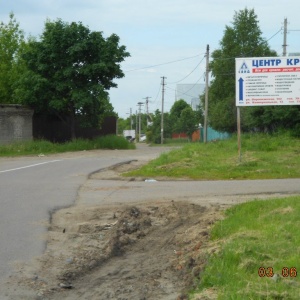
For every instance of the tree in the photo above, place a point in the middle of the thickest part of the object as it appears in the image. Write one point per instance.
(243, 39)
(188, 122)
(12, 44)
(154, 131)
(70, 70)
(175, 113)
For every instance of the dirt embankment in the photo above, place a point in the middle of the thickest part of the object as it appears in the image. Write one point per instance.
(155, 250)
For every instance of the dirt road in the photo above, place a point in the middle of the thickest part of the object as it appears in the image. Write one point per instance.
(152, 245)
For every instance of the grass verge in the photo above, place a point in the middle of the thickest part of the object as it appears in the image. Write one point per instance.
(254, 235)
(263, 157)
(46, 147)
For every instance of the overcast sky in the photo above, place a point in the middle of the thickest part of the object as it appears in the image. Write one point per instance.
(164, 37)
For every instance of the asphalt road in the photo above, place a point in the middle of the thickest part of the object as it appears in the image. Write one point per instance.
(227, 192)
(32, 187)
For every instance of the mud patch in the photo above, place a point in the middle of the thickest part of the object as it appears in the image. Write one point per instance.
(147, 251)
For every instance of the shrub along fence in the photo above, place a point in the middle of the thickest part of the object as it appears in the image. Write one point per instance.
(55, 130)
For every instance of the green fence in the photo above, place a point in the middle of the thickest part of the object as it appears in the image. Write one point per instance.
(214, 135)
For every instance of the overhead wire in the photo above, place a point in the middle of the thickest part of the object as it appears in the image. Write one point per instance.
(273, 35)
(158, 65)
(186, 92)
(189, 73)
(193, 85)
(178, 60)
(157, 96)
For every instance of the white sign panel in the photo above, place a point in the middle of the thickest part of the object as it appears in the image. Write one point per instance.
(262, 81)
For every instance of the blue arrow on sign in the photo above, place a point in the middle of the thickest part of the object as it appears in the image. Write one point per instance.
(241, 89)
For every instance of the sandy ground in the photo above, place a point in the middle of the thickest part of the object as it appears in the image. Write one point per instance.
(150, 250)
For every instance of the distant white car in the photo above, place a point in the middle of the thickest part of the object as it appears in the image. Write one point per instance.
(143, 138)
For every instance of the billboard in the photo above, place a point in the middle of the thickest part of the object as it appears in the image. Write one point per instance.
(262, 81)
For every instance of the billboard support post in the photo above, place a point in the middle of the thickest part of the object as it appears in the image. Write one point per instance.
(239, 133)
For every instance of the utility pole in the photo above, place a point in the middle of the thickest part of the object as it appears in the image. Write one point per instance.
(284, 37)
(147, 108)
(162, 109)
(131, 118)
(206, 94)
(140, 105)
(136, 124)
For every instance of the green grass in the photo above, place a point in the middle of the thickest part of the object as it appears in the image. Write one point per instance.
(263, 157)
(172, 142)
(253, 235)
(46, 147)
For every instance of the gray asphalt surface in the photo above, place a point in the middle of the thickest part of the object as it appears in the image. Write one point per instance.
(201, 192)
(31, 187)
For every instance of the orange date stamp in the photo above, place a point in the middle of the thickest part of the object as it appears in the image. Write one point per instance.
(269, 272)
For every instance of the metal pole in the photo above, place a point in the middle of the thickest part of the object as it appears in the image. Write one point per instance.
(162, 110)
(139, 123)
(140, 104)
(239, 133)
(136, 124)
(206, 94)
(131, 118)
(147, 109)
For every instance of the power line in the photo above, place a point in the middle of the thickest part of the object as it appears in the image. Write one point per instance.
(166, 63)
(193, 86)
(189, 73)
(156, 98)
(185, 93)
(273, 35)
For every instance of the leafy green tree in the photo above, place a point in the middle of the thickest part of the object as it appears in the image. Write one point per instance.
(12, 44)
(188, 122)
(154, 131)
(175, 113)
(242, 39)
(70, 70)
